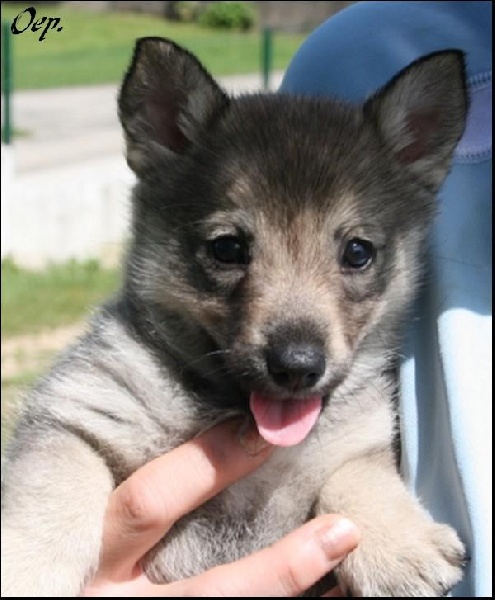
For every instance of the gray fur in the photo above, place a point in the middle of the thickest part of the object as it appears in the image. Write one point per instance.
(184, 342)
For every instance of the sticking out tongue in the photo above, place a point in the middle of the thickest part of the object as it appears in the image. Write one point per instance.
(284, 422)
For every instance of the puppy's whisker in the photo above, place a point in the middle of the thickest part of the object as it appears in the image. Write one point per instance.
(205, 357)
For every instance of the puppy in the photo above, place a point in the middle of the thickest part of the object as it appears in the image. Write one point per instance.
(276, 246)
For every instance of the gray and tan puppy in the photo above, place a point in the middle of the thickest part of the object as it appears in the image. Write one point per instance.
(276, 245)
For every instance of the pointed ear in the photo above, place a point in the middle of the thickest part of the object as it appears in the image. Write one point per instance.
(166, 100)
(421, 113)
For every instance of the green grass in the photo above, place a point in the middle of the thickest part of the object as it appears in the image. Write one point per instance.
(21, 133)
(60, 295)
(95, 48)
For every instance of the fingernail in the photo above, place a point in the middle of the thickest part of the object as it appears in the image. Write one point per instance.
(250, 439)
(339, 539)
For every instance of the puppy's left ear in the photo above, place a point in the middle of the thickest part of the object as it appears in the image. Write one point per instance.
(421, 113)
(166, 101)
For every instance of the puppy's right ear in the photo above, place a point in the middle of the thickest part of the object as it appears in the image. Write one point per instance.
(166, 100)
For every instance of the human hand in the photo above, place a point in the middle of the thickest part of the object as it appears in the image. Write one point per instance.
(145, 507)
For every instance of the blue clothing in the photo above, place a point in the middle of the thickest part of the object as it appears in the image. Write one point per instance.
(446, 408)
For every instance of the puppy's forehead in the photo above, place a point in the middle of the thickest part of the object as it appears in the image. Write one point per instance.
(291, 195)
(275, 160)
(280, 184)
(292, 153)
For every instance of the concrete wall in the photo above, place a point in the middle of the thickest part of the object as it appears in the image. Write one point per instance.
(76, 212)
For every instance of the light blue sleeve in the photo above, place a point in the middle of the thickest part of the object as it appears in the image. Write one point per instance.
(446, 378)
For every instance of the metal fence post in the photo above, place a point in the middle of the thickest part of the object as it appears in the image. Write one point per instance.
(6, 82)
(266, 56)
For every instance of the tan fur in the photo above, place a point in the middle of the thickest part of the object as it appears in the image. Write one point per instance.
(400, 541)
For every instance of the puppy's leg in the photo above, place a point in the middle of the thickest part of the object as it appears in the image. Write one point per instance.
(53, 503)
(403, 552)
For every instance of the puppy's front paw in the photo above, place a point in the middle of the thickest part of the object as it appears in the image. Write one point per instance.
(416, 558)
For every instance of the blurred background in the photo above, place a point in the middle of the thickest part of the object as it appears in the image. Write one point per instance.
(65, 184)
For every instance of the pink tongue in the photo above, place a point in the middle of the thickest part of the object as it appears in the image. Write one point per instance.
(284, 422)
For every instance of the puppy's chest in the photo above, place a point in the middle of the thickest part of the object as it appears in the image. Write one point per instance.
(250, 515)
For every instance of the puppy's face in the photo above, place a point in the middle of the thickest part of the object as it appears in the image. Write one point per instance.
(287, 230)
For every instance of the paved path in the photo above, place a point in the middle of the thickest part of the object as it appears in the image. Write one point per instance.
(71, 125)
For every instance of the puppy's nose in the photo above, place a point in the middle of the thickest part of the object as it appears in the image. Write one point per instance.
(296, 366)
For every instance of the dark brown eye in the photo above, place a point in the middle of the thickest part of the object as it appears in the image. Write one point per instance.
(358, 254)
(230, 250)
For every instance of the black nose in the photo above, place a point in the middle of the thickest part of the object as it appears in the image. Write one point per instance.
(296, 366)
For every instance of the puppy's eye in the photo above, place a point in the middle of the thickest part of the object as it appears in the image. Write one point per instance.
(229, 250)
(358, 254)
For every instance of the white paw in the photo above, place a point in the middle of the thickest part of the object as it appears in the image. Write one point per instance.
(417, 559)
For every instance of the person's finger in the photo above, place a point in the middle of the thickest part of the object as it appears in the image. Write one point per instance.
(145, 506)
(286, 569)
